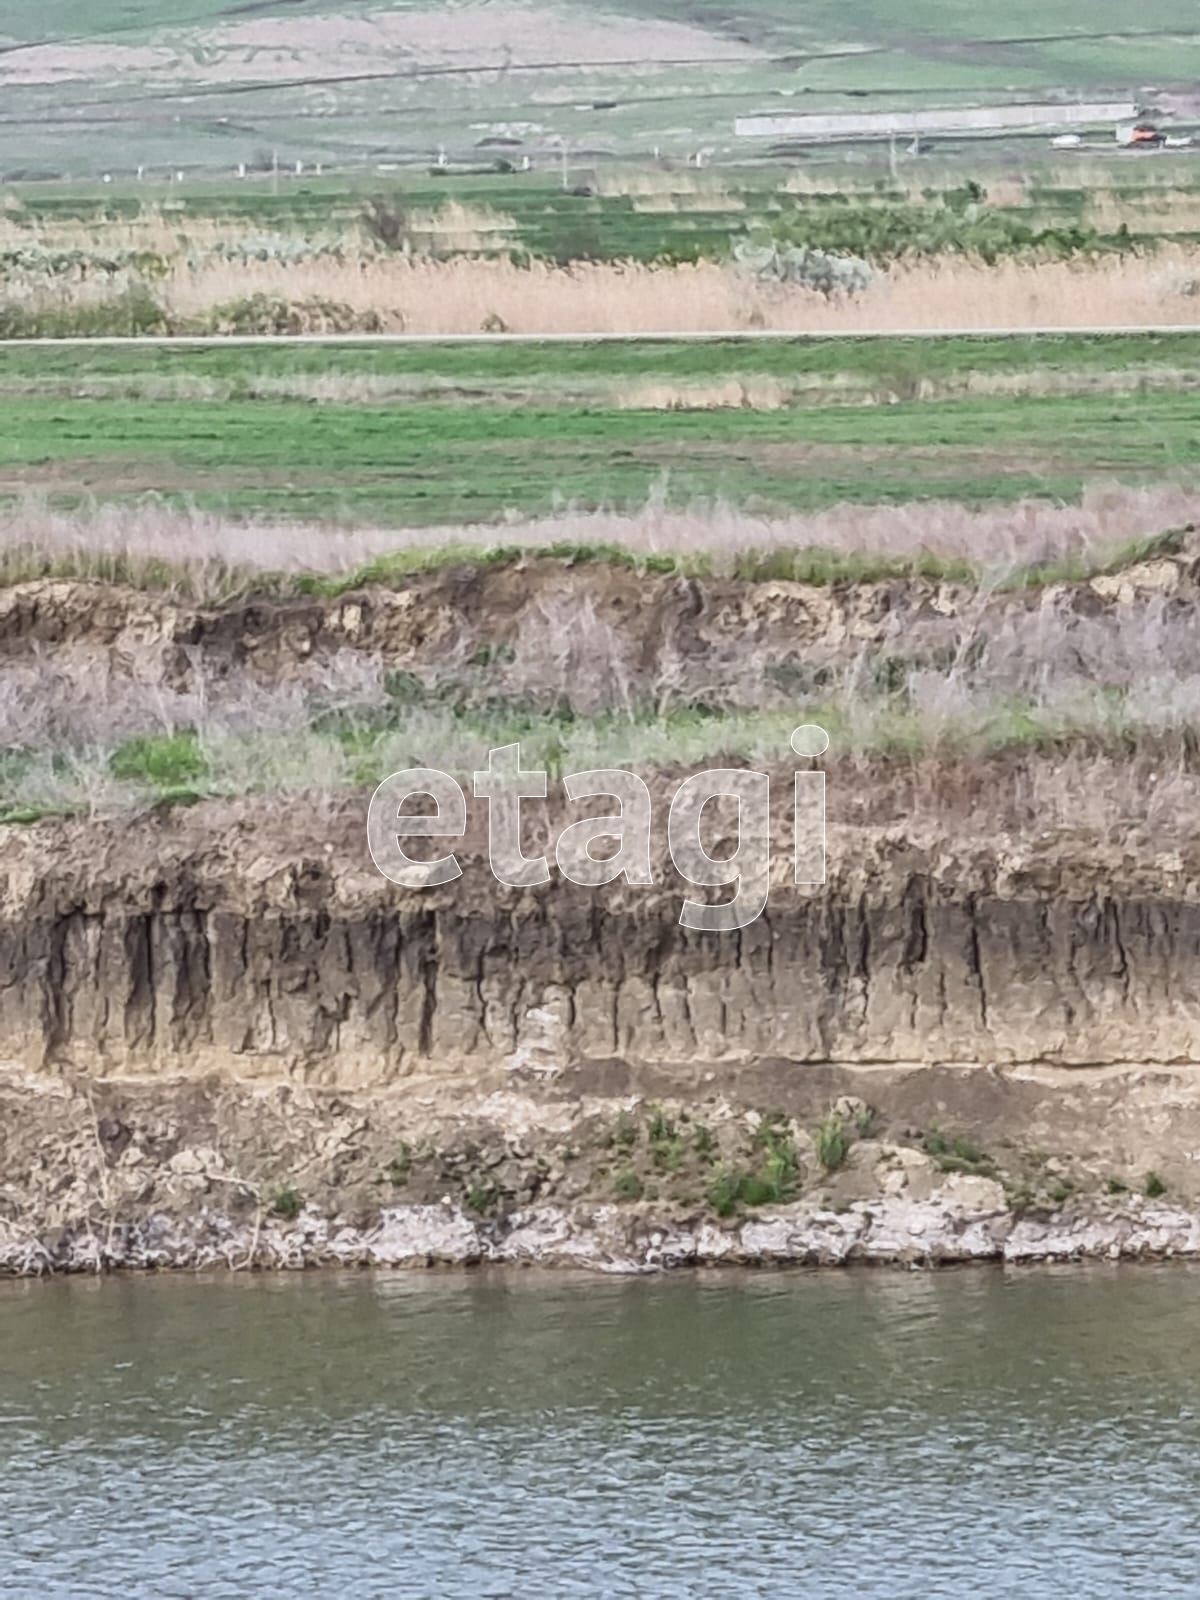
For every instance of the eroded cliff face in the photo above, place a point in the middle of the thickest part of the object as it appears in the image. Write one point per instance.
(262, 943)
(654, 627)
(207, 1008)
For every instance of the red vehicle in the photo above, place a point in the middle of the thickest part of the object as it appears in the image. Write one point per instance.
(1142, 135)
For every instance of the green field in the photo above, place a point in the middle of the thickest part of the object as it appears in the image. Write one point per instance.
(533, 217)
(502, 369)
(141, 19)
(399, 101)
(1017, 41)
(779, 24)
(471, 433)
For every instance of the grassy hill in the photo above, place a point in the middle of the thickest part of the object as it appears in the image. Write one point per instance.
(1051, 42)
(202, 86)
(24, 22)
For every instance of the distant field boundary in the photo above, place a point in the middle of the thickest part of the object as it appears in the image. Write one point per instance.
(220, 341)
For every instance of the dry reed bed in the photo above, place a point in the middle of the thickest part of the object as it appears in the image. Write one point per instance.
(464, 296)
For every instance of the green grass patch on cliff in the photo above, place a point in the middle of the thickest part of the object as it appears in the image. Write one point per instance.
(286, 1203)
(391, 571)
(832, 1141)
(771, 1177)
(952, 1153)
(218, 583)
(172, 764)
(351, 751)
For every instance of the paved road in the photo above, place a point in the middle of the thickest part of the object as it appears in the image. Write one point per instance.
(745, 335)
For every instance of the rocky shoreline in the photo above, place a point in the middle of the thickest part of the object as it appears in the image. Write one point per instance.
(111, 1175)
(964, 1221)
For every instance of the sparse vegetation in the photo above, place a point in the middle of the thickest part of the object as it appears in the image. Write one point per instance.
(724, 1192)
(399, 1168)
(667, 1146)
(1153, 1186)
(173, 764)
(864, 1121)
(286, 1203)
(627, 1185)
(955, 1154)
(660, 1128)
(832, 1142)
(772, 1177)
(625, 1131)
(703, 1141)
(481, 1197)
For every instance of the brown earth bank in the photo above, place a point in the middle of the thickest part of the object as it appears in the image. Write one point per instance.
(260, 941)
(226, 1037)
(645, 625)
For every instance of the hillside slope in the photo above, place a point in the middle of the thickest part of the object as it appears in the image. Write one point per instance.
(193, 85)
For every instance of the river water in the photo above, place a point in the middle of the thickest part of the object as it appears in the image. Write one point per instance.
(809, 1434)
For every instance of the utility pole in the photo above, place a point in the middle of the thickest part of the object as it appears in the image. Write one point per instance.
(275, 172)
(566, 178)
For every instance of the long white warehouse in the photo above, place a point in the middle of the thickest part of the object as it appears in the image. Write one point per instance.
(1029, 118)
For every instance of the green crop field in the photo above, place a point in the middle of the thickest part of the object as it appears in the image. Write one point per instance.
(470, 433)
(499, 371)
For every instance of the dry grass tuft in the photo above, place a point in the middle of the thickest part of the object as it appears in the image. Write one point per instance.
(1120, 691)
(775, 394)
(458, 228)
(712, 202)
(660, 182)
(752, 394)
(208, 557)
(1010, 191)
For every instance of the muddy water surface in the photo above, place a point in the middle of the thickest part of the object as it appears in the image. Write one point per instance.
(1031, 1434)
